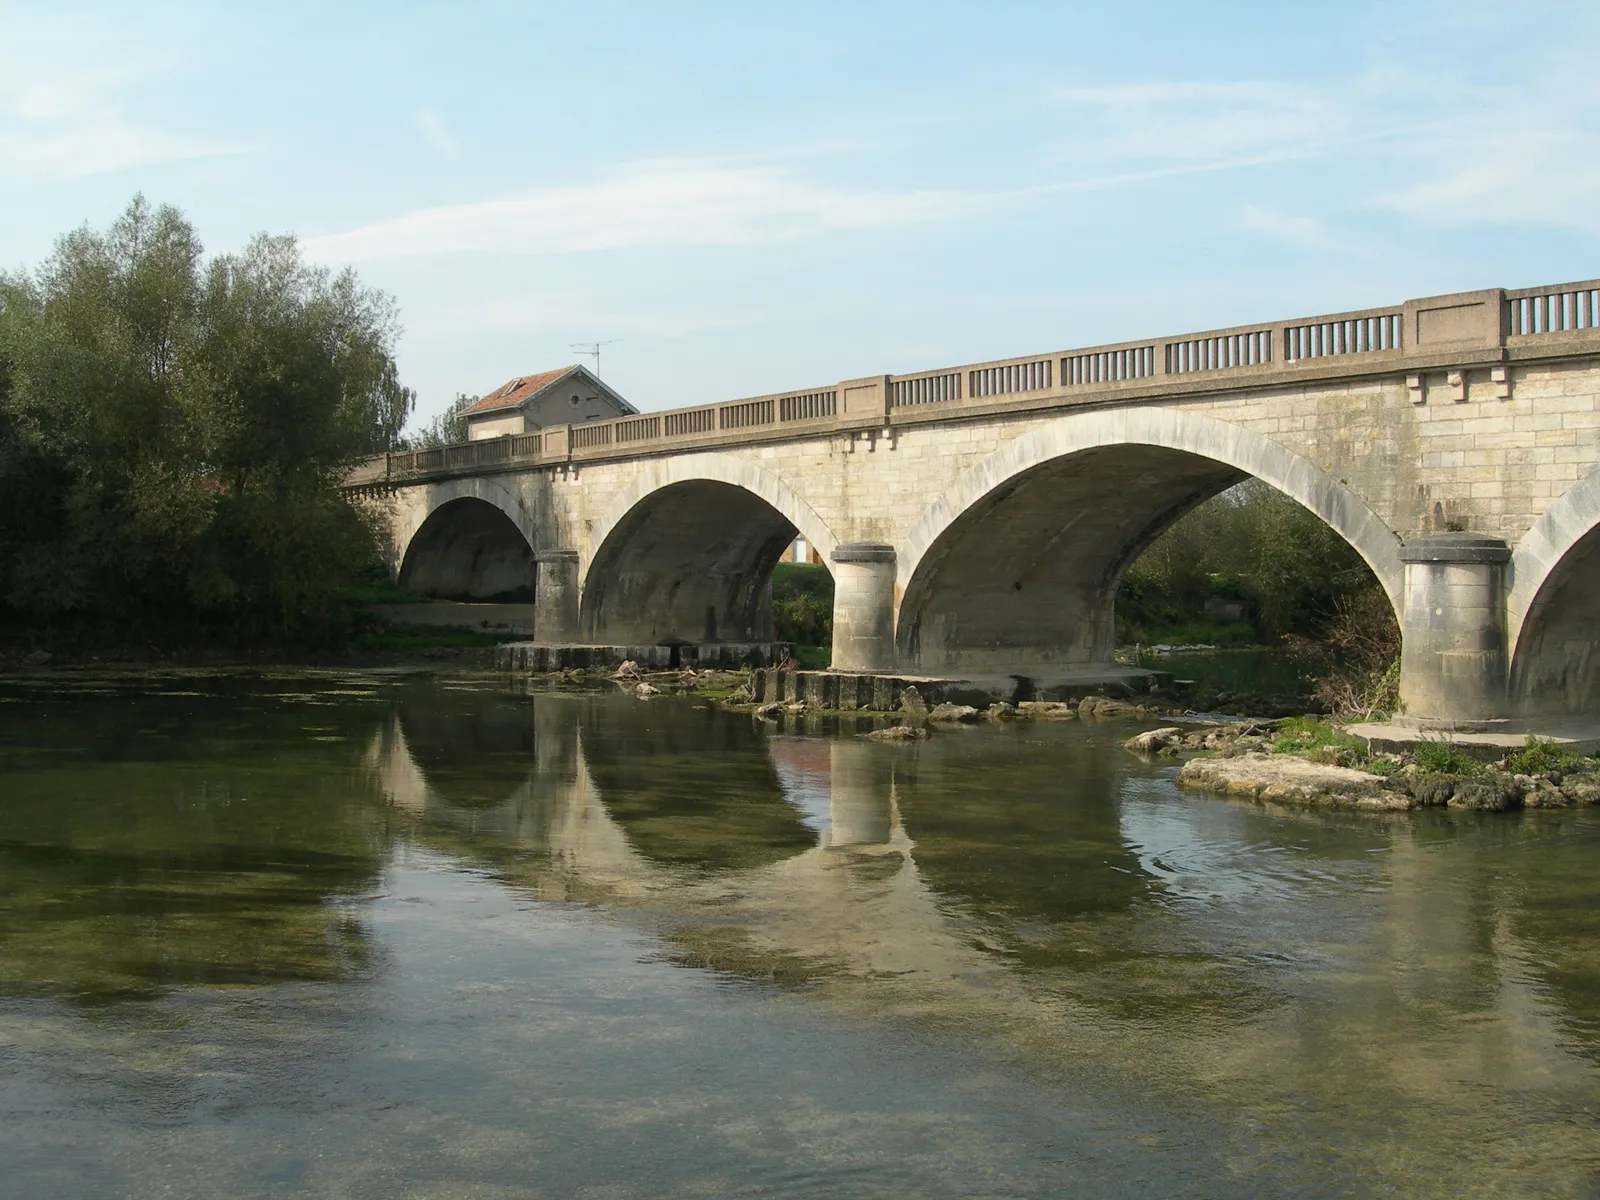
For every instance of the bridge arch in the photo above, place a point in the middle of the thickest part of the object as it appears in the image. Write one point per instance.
(686, 552)
(1553, 608)
(470, 540)
(1025, 549)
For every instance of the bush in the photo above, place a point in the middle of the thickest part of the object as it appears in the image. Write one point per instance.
(802, 604)
(1538, 757)
(1439, 756)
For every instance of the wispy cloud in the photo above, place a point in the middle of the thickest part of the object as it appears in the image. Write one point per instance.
(60, 122)
(657, 203)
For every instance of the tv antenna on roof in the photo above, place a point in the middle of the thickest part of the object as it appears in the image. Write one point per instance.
(592, 350)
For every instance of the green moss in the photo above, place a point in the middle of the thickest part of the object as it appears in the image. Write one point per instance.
(1539, 756)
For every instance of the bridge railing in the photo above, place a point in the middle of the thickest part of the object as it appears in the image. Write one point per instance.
(1472, 327)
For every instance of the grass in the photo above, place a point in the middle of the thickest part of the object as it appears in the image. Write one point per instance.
(1318, 740)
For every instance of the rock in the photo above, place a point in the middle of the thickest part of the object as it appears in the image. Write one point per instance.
(1547, 796)
(1582, 789)
(628, 670)
(1103, 708)
(1153, 741)
(741, 694)
(899, 733)
(953, 712)
(1487, 793)
(1432, 791)
(644, 691)
(1046, 710)
(37, 659)
(795, 707)
(768, 712)
(1284, 779)
(911, 701)
(1000, 711)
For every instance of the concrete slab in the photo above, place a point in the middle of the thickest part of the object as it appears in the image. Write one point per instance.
(1579, 736)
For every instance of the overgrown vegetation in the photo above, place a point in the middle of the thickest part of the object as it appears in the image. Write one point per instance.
(1539, 756)
(1253, 567)
(1440, 756)
(802, 604)
(173, 434)
(1248, 563)
(446, 429)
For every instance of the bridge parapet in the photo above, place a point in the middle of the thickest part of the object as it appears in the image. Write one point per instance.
(1471, 329)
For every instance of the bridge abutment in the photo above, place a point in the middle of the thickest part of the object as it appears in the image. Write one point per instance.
(1453, 659)
(863, 606)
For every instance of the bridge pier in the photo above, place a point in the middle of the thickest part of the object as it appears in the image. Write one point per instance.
(555, 596)
(1453, 660)
(863, 606)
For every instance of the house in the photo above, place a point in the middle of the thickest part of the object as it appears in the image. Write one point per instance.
(565, 396)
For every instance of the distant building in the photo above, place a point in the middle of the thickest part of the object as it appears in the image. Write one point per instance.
(566, 396)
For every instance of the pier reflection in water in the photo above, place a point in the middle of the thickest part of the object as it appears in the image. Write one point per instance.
(1010, 960)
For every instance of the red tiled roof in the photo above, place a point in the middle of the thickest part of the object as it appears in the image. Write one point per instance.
(519, 389)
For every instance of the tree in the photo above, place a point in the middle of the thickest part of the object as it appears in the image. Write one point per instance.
(175, 431)
(446, 429)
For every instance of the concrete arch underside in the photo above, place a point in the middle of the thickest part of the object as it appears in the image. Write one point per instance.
(469, 541)
(1017, 567)
(686, 554)
(1553, 610)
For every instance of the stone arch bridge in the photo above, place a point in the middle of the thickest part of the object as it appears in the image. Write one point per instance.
(978, 519)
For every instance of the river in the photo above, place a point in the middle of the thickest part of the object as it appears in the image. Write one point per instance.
(379, 935)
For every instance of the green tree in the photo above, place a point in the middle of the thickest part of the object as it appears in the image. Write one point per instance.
(175, 431)
(446, 429)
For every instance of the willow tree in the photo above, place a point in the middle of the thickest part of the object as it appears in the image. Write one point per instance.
(173, 432)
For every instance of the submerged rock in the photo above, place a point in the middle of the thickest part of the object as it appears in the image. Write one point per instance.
(770, 711)
(1155, 741)
(1046, 710)
(954, 712)
(899, 733)
(644, 691)
(1000, 711)
(1103, 707)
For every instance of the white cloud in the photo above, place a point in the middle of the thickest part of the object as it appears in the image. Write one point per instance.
(63, 123)
(432, 127)
(1250, 121)
(657, 203)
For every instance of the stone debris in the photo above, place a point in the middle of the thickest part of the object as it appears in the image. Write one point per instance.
(1103, 708)
(1046, 710)
(954, 712)
(911, 701)
(769, 712)
(628, 670)
(899, 733)
(644, 691)
(1156, 741)
(1000, 711)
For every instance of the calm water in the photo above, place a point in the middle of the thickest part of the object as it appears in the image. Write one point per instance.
(360, 936)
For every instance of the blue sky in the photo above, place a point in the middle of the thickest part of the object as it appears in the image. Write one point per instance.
(757, 197)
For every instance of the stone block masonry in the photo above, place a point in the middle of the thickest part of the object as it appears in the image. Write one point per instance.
(978, 518)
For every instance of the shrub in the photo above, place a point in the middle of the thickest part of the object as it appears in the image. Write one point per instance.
(1440, 756)
(1538, 756)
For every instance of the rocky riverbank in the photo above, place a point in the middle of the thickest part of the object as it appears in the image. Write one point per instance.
(1306, 762)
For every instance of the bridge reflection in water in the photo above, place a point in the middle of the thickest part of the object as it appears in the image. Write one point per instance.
(1077, 915)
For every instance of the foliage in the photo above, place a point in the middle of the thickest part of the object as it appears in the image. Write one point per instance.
(1539, 756)
(802, 604)
(446, 429)
(1356, 662)
(174, 431)
(1253, 547)
(1298, 735)
(1440, 756)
